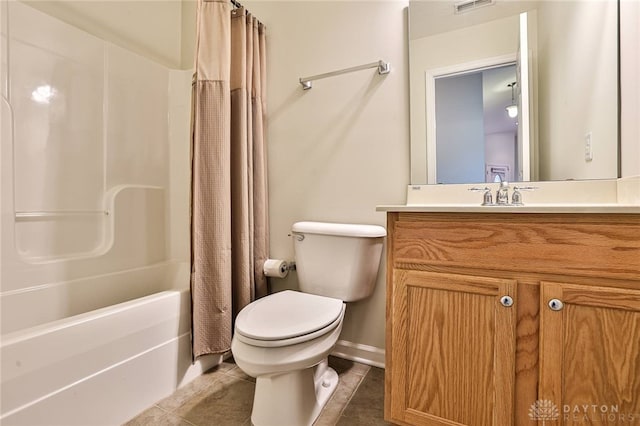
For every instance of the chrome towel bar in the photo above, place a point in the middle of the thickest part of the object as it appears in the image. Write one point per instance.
(383, 68)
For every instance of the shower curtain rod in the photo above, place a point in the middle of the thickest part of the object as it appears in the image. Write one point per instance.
(383, 68)
(236, 4)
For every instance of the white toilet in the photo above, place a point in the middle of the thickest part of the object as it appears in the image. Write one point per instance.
(284, 339)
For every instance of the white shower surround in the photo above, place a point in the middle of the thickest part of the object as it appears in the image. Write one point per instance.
(95, 313)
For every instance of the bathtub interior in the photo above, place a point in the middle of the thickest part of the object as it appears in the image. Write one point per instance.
(94, 203)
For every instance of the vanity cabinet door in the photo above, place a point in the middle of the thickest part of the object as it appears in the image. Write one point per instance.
(589, 354)
(452, 358)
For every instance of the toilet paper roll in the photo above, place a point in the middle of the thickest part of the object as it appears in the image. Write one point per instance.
(276, 268)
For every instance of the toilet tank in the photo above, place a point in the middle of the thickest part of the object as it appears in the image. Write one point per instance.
(336, 259)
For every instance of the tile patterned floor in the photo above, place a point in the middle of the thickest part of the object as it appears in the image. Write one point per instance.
(223, 397)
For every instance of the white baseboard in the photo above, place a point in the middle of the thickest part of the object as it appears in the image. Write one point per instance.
(358, 352)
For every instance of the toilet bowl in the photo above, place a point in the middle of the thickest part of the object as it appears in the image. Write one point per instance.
(284, 339)
(289, 363)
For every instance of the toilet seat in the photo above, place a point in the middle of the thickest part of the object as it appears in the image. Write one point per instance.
(287, 318)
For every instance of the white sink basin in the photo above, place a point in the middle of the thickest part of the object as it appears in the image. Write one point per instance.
(607, 195)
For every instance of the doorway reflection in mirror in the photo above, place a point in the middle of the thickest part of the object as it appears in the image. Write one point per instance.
(473, 132)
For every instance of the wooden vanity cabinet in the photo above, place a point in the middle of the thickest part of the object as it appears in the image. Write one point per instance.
(491, 314)
(455, 340)
(590, 353)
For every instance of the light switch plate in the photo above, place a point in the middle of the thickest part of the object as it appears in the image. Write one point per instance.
(588, 147)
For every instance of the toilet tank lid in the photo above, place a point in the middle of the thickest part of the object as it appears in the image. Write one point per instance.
(340, 229)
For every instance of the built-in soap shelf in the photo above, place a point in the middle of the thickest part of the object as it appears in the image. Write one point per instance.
(36, 215)
(43, 236)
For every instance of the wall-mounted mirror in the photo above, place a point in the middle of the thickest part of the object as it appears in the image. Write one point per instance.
(571, 61)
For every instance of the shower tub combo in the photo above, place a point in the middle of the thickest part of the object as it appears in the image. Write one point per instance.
(94, 294)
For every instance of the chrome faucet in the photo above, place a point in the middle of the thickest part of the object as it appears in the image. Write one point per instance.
(502, 195)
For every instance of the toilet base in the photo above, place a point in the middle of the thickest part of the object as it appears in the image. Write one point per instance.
(294, 398)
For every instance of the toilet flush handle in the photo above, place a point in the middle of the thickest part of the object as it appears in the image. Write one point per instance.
(297, 236)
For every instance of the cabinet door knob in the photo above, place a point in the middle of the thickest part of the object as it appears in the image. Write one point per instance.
(555, 305)
(506, 301)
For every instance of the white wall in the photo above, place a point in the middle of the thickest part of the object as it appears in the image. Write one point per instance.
(188, 33)
(341, 148)
(630, 87)
(149, 28)
(577, 92)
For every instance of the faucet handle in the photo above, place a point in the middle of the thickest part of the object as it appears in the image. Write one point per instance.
(487, 199)
(516, 197)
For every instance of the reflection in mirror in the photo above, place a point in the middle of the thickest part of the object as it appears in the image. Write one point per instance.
(476, 137)
(573, 85)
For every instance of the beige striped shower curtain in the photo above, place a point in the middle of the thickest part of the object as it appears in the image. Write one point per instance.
(229, 225)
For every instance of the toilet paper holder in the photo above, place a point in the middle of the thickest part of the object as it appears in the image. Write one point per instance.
(277, 268)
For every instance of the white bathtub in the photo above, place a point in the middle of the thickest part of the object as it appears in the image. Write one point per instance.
(45, 303)
(104, 366)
